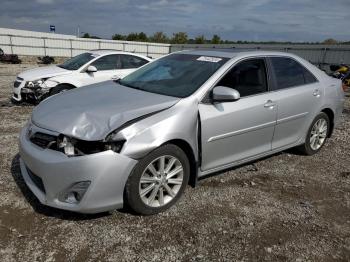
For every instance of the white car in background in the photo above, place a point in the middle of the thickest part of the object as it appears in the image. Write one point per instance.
(84, 69)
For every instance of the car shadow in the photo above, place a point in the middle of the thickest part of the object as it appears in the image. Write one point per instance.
(42, 209)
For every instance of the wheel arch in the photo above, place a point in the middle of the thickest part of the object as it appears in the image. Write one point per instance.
(186, 147)
(329, 112)
(66, 84)
(61, 84)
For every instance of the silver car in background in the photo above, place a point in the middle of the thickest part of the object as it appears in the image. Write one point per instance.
(140, 140)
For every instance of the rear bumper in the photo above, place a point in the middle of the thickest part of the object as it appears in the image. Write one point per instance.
(107, 171)
(338, 111)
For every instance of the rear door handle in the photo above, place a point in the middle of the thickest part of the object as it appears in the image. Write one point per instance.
(316, 93)
(270, 104)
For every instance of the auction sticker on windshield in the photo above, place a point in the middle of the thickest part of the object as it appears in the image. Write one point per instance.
(209, 59)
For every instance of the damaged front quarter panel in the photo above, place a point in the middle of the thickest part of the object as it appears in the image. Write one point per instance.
(179, 122)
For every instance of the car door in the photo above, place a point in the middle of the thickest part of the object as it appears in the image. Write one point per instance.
(129, 63)
(234, 131)
(298, 96)
(106, 70)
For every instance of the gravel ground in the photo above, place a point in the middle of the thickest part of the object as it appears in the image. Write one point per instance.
(284, 208)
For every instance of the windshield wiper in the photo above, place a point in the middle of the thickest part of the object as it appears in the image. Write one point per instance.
(127, 85)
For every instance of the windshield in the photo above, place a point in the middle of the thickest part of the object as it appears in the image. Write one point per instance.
(78, 61)
(177, 75)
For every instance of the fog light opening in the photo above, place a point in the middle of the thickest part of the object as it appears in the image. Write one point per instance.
(75, 193)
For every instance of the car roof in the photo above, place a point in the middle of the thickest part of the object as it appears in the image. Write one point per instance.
(233, 52)
(110, 51)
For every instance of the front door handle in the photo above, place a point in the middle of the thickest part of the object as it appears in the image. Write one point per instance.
(316, 93)
(270, 104)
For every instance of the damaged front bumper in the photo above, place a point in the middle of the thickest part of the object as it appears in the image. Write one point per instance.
(51, 174)
(21, 92)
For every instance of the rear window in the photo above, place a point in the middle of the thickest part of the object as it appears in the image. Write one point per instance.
(290, 73)
(130, 61)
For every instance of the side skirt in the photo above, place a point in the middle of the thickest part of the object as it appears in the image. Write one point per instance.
(218, 170)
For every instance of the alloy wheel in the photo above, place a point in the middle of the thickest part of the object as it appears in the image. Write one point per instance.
(318, 134)
(161, 181)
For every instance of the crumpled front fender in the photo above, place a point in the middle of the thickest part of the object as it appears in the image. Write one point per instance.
(177, 123)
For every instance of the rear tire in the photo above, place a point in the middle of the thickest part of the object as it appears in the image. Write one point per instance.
(158, 180)
(317, 135)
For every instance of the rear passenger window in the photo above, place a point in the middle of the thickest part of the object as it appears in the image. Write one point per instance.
(248, 77)
(108, 62)
(129, 61)
(309, 77)
(290, 73)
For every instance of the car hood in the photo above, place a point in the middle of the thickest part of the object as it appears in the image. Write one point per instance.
(92, 112)
(43, 72)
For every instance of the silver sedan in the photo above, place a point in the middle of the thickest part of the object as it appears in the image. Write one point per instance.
(141, 140)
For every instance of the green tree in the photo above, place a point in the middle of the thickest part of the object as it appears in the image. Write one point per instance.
(179, 38)
(216, 40)
(142, 37)
(159, 37)
(200, 39)
(118, 37)
(86, 35)
(132, 37)
(330, 41)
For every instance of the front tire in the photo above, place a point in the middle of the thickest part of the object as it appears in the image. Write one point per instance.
(158, 180)
(316, 135)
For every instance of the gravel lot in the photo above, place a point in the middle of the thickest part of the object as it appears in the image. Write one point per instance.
(284, 208)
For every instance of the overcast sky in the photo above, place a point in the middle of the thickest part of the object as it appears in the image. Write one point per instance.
(283, 20)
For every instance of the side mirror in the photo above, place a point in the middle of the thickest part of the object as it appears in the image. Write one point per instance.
(91, 69)
(222, 94)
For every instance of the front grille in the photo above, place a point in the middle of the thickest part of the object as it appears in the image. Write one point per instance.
(36, 180)
(43, 140)
(16, 84)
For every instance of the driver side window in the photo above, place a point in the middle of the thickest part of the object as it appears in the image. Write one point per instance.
(247, 77)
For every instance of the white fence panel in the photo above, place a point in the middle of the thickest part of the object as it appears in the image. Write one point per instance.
(112, 45)
(40, 44)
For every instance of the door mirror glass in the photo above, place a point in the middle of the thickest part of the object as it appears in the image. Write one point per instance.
(91, 69)
(224, 94)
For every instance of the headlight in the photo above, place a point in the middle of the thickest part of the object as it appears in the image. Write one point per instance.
(67, 146)
(41, 83)
(35, 83)
(76, 147)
